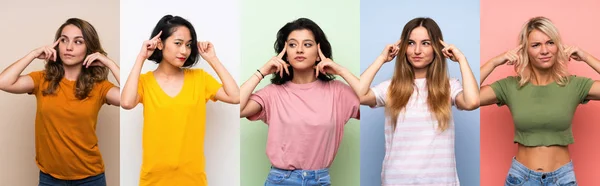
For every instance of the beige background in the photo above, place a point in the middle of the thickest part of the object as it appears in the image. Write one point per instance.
(27, 25)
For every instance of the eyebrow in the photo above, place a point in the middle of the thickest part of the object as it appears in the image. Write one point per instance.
(73, 38)
(537, 42)
(304, 40)
(421, 41)
(183, 40)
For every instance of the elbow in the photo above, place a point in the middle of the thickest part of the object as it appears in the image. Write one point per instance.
(235, 100)
(472, 105)
(127, 106)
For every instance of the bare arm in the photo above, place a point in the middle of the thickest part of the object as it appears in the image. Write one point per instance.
(366, 96)
(11, 79)
(229, 93)
(130, 97)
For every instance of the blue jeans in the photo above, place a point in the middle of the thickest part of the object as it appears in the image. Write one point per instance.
(47, 180)
(522, 176)
(280, 177)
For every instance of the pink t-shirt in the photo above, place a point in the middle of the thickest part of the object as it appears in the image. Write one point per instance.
(306, 122)
(416, 152)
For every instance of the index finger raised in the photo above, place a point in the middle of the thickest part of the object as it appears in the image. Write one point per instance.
(282, 51)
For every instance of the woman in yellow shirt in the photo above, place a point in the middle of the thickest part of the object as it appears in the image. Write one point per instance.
(70, 92)
(174, 98)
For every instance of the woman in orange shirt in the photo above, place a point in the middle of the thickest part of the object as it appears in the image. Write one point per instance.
(70, 92)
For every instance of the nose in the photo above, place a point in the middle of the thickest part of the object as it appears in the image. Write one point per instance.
(69, 46)
(300, 49)
(544, 50)
(183, 49)
(417, 49)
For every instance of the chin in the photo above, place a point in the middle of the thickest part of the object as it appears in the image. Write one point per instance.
(302, 66)
(419, 65)
(71, 62)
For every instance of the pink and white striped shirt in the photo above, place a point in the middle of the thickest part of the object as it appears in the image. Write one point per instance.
(417, 153)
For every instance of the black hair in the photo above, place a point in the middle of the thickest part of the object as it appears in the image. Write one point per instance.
(320, 38)
(168, 25)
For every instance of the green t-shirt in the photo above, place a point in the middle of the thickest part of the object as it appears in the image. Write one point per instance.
(542, 114)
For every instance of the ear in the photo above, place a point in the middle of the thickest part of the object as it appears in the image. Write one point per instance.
(318, 58)
(160, 45)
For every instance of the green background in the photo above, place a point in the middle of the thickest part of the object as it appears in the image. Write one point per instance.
(261, 19)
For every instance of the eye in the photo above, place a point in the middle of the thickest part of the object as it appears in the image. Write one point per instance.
(178, 43)
(551, 42)
(78, 42)
(535, 45)
(308, 45)
(426, 43)
(292, 45)
(411, 43)
(63, 40)
(189, 45)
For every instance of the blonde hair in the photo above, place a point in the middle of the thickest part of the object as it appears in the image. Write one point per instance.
(523, 66)
(438, 85)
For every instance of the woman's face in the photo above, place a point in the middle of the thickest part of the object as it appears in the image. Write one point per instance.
(72, 48)
(420, 50)
(541, 50)
(302, 50)
(177, 48)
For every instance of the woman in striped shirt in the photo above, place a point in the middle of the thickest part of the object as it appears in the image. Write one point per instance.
(419, 131)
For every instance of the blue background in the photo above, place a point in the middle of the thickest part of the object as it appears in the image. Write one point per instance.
(381, 23)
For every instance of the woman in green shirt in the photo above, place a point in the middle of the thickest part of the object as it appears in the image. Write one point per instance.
(542, 99)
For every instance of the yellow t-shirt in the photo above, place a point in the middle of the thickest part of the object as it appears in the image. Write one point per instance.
(66, 145)
(174, 129)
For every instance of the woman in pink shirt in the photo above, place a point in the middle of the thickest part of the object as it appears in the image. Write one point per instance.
(304, 107)
(419, 130)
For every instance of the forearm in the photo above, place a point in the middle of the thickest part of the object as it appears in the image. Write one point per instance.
(115, 70)
(11, 74)
(469, 83)
(247, 88)
(229, 85)
(351, 79)
(366, 78)
(594, 63)
(486, 70)
(129, 96)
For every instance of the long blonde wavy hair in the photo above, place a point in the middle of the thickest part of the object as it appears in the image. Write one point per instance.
(524, 68)
(403, 81)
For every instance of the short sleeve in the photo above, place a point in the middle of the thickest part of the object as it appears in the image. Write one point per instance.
(501, 89)
(262, 98)
(380, 91)
(37, 77)
(104, 87)
(347, 101)
(455, 89)
(582, 86)
(140, 89)
(211, 85)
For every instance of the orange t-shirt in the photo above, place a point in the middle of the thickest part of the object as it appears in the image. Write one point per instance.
(66, 145)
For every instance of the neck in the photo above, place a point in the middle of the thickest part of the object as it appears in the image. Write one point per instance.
(166, 69)
(541, 76)
(303, 77)
(420, 73)
(72, 72)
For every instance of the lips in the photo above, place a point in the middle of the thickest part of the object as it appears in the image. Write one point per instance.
(181, 58)
(69, 55)
(417, 58)
(545, 59)
(299, 58)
